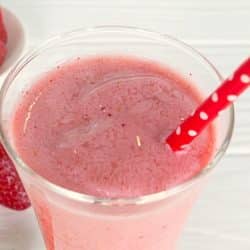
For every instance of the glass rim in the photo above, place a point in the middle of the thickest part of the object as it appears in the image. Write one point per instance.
(81, 197)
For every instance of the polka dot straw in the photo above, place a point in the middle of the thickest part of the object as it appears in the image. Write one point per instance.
(220, 99)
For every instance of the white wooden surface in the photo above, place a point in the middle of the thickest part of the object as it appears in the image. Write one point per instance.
(221, 31)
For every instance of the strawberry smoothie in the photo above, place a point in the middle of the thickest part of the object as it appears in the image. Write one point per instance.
(97, 126)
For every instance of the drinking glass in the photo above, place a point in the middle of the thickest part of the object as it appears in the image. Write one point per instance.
(76, 221)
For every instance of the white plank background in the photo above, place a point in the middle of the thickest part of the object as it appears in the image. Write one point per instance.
(220, 29)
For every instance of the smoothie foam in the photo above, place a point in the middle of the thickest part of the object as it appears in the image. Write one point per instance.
(97, 126)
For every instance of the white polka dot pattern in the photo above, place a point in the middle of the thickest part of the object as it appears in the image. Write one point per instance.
(192, 133)
(245, 78)
(203, 115)
(178, 130)
(215, 97)
(231, 98)
(211, 108)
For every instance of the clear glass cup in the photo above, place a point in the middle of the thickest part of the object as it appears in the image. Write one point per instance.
(75, 221)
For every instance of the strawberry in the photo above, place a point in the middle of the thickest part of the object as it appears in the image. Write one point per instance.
(3, 33)
(3, 52)
(12, 193)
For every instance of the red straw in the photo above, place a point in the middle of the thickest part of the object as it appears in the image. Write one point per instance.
(221, 98)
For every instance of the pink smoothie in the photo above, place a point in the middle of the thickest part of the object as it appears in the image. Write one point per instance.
(97, 126)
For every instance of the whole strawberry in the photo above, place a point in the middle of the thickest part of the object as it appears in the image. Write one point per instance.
(12, 193)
